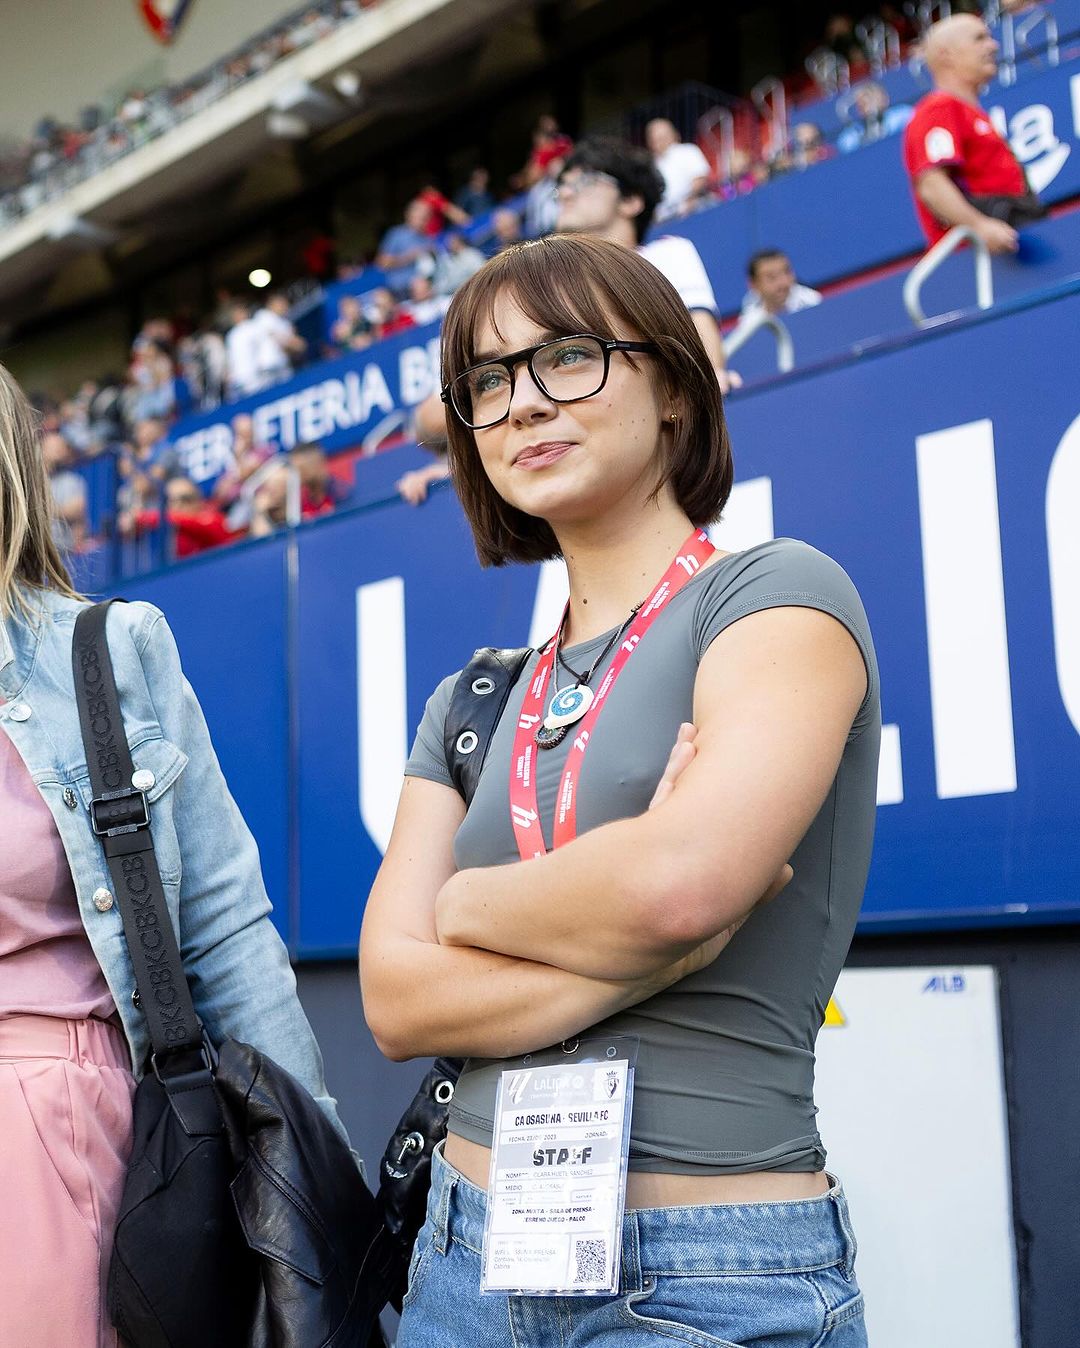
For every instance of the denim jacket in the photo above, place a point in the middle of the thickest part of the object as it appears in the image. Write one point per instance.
(241, 981)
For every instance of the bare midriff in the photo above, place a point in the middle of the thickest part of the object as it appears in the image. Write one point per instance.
(645, 1189)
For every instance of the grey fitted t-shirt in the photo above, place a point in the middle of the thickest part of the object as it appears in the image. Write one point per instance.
(725, 1075)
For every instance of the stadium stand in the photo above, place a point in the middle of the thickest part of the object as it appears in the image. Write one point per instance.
(898, 448)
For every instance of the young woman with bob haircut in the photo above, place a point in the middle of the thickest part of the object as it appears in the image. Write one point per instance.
(73, 1038)
(585, 423)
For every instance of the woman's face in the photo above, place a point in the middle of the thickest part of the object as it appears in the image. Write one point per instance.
(572, 463)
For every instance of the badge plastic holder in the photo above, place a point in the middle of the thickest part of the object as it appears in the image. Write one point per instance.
(557, 1184)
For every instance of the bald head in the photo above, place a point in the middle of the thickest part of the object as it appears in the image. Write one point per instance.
(961, 54)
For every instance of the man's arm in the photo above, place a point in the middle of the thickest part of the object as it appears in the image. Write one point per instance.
(775, 698)
(939, 194)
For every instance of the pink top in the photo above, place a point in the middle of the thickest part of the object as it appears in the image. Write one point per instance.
(47, 965)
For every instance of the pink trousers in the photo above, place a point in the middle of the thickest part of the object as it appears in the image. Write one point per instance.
(65, 1134)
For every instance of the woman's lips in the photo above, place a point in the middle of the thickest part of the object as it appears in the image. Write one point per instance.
(540, 456)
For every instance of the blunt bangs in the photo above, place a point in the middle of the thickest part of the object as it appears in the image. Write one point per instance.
(567, 284)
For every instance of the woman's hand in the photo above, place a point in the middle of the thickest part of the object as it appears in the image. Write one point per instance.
(682, 755)
(680, 758)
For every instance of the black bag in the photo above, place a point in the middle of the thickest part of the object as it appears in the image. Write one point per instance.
(244, 1221)
(1016, 211)
(476, 704)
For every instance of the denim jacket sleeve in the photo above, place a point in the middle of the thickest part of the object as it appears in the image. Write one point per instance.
(241, 981)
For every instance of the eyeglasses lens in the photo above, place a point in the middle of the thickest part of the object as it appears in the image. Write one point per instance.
(566, 370)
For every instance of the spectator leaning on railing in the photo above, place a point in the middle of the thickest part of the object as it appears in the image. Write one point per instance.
(773, 287)
(962, 171)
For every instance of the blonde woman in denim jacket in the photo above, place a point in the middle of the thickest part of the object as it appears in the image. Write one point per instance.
(72, 1038)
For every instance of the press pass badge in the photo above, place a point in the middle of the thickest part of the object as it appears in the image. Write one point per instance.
(557, 1186)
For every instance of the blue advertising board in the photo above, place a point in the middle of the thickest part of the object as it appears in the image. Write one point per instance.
(335, 402)
(943, 473)
(228, 611)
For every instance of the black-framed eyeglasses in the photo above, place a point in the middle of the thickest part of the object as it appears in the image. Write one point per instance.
(564, 369)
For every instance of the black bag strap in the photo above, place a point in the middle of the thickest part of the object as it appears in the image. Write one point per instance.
(476, 704)
(478, 701)
(120, 817)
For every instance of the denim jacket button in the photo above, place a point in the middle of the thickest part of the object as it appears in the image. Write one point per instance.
(20, 712)
(102, 900)
(71, 800)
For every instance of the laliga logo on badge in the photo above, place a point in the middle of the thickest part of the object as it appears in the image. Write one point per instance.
(1032, 138)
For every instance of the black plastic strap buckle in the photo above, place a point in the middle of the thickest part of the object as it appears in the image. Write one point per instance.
(116, 812)
(196, 1061)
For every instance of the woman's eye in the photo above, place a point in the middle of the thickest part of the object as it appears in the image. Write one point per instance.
(572, 355)
(488, 381)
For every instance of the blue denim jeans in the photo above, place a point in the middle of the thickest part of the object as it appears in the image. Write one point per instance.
(751, 1275)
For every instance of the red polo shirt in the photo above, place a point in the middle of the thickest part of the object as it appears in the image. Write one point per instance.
(948, 132)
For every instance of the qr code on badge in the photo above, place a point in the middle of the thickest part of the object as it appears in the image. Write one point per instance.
(591, 1262)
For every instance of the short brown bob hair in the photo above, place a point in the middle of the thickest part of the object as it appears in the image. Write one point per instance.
(568, 284)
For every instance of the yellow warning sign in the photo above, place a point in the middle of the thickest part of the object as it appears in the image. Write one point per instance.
(834, 1017)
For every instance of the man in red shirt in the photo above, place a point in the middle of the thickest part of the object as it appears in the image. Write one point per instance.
(952, 151)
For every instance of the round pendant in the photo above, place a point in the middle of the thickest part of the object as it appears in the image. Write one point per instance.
(568, 706)
(547, 739)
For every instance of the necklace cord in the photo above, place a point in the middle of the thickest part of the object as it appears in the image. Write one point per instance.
(584, 679)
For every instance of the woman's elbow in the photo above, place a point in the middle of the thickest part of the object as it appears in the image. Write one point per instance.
(390, 1031)
(684, 904)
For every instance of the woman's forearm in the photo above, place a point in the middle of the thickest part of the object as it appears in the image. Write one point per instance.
(422, 999)
(600, 907)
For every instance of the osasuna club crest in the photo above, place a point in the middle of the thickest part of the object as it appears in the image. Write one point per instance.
(163, 17)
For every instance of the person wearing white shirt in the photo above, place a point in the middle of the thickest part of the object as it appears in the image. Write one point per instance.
(278, 343)
(773, 286)
(681, 164)
(611, 190)
(242, 346)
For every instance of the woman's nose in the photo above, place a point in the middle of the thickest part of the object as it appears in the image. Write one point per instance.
(528, 402)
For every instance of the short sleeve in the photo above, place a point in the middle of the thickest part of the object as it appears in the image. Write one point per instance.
(694, 159)
(780, 574)
(428, 758)
(681, 263)
(934, 137)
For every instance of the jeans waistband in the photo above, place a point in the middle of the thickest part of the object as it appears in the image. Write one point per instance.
(80, 1041)
(794, 1236)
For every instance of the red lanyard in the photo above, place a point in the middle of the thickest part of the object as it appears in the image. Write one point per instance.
(523, 812)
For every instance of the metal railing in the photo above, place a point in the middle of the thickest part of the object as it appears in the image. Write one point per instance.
(831, 73)
(926, 266)
(1016, 44)
(882, 44)
(753, 323)
(770, 99)
(717, 126)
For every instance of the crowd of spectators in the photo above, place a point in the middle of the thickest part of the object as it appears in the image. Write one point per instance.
(58, 155)
(439, 243)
